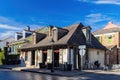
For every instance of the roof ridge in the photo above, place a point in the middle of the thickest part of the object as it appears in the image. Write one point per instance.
(111, 25)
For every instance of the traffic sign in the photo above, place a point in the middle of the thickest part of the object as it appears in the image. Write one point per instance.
(82, 49)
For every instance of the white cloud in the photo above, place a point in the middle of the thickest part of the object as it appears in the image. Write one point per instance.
(9, 24)
(7, 20)
(5, 26)
(96, 17)
(115, 2)
(7, 33)
(4, 19)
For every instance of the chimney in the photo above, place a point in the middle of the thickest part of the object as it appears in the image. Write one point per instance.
(28, 28)
(87, 33)
(34, 38)
(50, 30)
(55, 34)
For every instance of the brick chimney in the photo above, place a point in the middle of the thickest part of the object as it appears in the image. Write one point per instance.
(55, 34)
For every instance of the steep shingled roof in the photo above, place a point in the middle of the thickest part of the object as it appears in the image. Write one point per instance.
(74, 36)
(110, 25)
(95, 44)
(68, 39)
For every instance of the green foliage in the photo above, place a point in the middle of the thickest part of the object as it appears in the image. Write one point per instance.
(2, 56)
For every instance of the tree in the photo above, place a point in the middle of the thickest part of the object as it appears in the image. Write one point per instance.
(2, 56)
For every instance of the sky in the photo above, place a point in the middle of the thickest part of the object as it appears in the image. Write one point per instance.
(15, 15)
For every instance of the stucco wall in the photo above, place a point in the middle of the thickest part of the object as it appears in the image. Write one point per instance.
(96, 54)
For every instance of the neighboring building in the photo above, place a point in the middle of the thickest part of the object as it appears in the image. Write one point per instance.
(109, 36)
(63, 45)
(22, 38)
(5, 41)
(4, 45)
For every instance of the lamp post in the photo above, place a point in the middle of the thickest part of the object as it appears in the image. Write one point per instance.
(52, 43)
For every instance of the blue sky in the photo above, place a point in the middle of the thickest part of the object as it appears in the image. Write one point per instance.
(15, 15)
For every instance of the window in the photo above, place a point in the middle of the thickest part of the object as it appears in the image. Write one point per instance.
(108, 39)
(97, 52)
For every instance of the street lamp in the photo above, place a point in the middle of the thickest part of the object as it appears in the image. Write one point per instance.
(52, 43)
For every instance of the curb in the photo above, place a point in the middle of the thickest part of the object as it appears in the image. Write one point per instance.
(6, 68)
(48, 73)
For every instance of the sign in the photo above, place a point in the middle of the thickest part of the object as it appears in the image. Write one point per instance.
(82, 49)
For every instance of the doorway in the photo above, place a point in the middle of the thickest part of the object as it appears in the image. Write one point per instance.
(56, 59)
(33, 58)
(45, 59)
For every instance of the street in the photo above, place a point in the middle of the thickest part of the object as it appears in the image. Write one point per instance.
(6, 74)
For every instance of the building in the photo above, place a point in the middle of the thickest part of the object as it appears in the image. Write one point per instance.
(22, 38)
(62, 46)
(109, 36)
(4, 46)
(5, 41)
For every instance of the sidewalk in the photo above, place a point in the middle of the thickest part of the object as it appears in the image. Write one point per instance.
(56, 72)
(43, 71)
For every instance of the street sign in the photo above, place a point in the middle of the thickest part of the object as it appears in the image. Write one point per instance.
(82, 50)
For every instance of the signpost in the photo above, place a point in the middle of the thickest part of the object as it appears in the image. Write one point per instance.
(82, 49)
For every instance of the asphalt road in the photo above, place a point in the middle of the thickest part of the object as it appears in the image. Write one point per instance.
(6, 74)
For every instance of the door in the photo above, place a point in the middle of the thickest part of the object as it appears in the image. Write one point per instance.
(56, 59)
(45, 58)
(33, 58)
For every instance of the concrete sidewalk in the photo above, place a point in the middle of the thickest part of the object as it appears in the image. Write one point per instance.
(56, 72)
(43, 71)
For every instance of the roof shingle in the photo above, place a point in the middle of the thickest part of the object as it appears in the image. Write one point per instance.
(74, 36)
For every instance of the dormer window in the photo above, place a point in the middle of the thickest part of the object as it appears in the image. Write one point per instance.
(26, 33)
(87, 33)
(18, 36)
